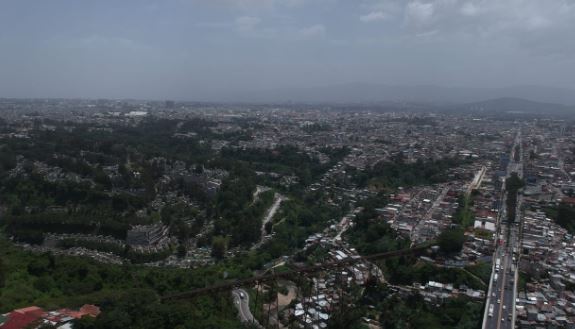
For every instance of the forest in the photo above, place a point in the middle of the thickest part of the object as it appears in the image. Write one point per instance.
(394, 173)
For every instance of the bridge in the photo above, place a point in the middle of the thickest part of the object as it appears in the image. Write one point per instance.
(233, 284)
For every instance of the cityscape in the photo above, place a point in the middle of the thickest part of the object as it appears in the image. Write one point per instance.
(287, 164)
(284, 216)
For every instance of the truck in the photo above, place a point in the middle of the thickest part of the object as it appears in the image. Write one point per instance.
(497, 264)
(490, 313)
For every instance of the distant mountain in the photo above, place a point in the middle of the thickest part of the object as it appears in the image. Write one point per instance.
(516, 105)
(376, 93)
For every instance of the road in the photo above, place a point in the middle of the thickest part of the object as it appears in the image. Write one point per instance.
(476, 180)
(422, 223)
(500, 304)
(242, 303)
(503, 291)
(278, 199)
(257, 192)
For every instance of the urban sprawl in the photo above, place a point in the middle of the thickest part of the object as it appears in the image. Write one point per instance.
(168, 197)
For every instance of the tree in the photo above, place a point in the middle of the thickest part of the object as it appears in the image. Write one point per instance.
(199, 169)
(566, 217)
(44, 284)
(451, 240)
(39, 266)
(115, 319)
(219, 247)
(2, 274)
(512, 185)
(269, 227)
(182, 251)
(86, 322)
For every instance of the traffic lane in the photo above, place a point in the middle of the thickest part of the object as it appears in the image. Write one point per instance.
(243, 305)
(495, 319)
(507, 303)
(501, 300)
(490, 321)
(504, 293)
(508, 295)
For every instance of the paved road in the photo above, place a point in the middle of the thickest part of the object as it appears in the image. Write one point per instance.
(242, 303)
(502, 294)
(499, 311)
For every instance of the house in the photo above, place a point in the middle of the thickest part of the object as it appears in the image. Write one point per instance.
(33, 316)
(22, 318)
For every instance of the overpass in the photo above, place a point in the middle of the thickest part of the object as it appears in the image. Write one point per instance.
(230, 285)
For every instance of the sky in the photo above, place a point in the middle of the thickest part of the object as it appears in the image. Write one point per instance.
(204, 49)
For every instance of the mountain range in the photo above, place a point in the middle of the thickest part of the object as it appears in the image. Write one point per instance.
(366, 93)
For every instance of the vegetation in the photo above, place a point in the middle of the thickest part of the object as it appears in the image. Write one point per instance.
(283, 160)
(371, 236)
(512, 184)
(396, 173)
(464, 214)
(451, 240)
(296, 220)
(411, 311)
(564, 215)
(411, 271)
(128, 295)
(236, 214)
(482, 270)
(113, 173)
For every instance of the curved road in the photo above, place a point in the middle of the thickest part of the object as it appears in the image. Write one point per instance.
(242, 303)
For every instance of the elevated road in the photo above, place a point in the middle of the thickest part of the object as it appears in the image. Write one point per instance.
(500, 302)
(231, 285)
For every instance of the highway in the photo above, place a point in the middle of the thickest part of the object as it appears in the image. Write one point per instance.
(503, 290)
(500, 303)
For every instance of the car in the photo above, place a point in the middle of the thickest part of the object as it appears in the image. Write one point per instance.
(499, 301)
(242, 295)
(503, 306)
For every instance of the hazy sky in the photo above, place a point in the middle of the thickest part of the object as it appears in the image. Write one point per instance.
(198, 49)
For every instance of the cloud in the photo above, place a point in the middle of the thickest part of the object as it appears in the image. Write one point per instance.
(469, 9)
(247, 23)
(252, 27)
(312, 32)
(96, 42)
(373, 16)
(537, 25)
(419, 13)
(252, 4)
